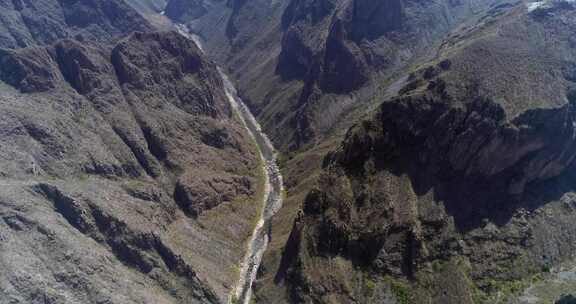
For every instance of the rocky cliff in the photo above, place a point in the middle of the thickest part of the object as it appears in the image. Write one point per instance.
(457, 190)
(317, 55)
(126, 178)
(427, 149)
(476, 115)
(25, 23)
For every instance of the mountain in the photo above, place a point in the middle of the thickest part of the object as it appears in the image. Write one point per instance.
(427, 146)
(458, 189)
(426, 151)
(310, 56)
(26, 23)
(148, 6)
(126, 175)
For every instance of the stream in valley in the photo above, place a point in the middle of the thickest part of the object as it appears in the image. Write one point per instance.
(272, 199)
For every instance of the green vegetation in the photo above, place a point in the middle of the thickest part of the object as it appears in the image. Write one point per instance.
(369, 286)
(400, 290)
(498, 291)
(492, 291)
(236, 270)
(508, 289)
(283, 158)
(438, 266)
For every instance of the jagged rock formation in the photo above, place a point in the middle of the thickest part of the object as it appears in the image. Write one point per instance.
(424, 184)
(463, 173)
(25, 23)
(125, 176)
(319, 60)
(459, 189)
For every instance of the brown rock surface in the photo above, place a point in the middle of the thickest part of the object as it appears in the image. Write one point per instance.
(94, 145)
(458, 190)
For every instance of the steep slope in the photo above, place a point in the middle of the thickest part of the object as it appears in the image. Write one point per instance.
(126, 177)
(290, 72)
(25, 23)
(153, 11)
(303, 66)
(148, 6)
(459, 189)
(135, 182)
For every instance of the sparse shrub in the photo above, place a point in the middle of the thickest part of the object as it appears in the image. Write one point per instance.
(437, 266)
(369, 286)
(400, 291)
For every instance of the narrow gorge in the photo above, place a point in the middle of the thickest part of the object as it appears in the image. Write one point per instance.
(287, 152)
(273, 189)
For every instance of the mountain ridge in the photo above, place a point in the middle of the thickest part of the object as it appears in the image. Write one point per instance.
(125, 126)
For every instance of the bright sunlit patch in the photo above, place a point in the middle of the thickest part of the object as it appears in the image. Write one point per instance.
(534, 5)
(531, 6)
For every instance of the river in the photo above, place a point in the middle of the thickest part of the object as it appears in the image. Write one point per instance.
(272, 200)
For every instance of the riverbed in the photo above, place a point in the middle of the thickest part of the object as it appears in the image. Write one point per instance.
(272, 200)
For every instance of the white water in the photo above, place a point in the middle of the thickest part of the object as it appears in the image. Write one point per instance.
(531, 6)
(271, 203)
(273, 187)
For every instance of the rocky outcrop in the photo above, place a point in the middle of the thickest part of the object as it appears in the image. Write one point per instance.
(179, 57)
(456, 188)
(105, 141)
(373, 19)
(338, 47)
(318, 54)
(423, 184)
(145, 252)
(200, 191)
(30, 70)
(26, 23)
(469, 147)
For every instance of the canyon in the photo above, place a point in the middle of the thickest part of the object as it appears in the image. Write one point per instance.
(298, 151)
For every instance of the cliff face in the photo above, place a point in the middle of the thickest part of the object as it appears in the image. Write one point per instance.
(463, 172)
(428, 149)
(26, 23)
(148, 6)
(314, 55)
(126, 178)
(451, 203)
(458, 190)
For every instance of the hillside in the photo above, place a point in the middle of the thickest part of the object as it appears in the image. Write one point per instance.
(458, 189)
(127, 177)
(426, 151)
